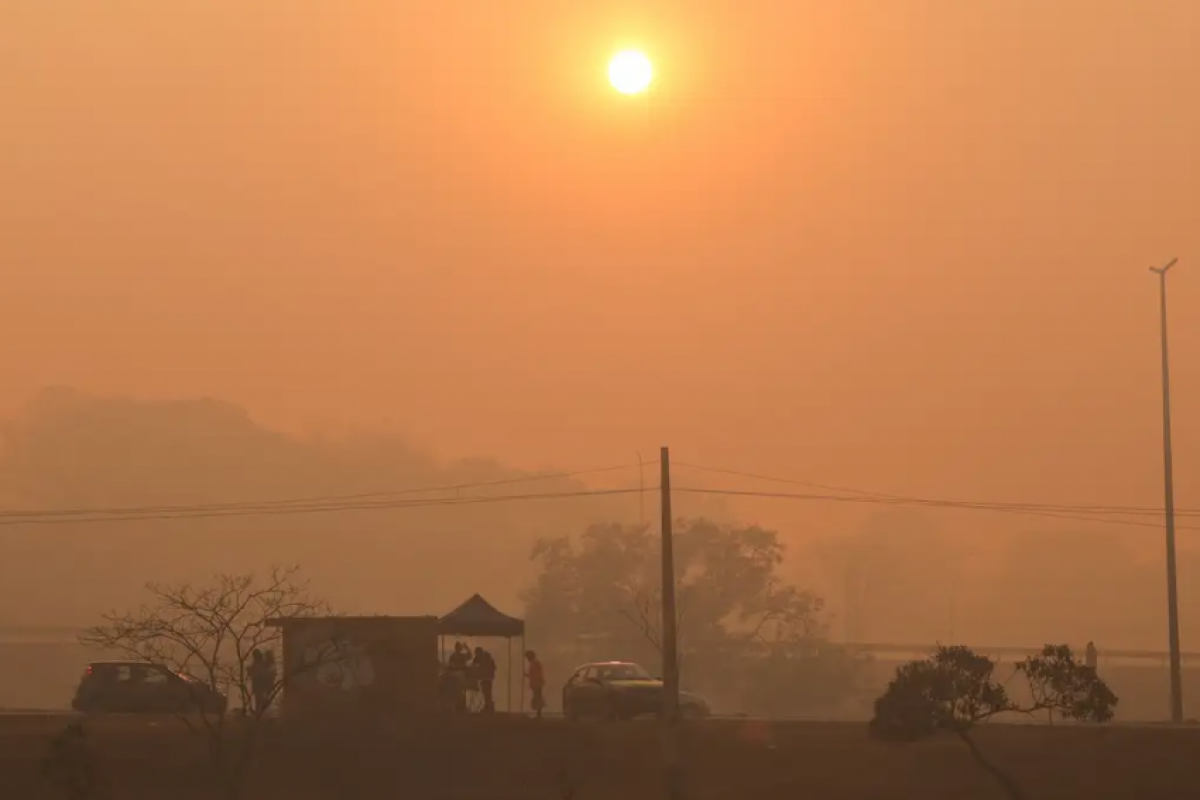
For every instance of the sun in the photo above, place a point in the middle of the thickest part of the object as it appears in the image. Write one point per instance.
(630, 72)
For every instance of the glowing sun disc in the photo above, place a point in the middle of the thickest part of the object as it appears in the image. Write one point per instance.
(630, 72)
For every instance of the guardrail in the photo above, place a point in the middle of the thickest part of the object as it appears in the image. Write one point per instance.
(916, 650)
(67, 634)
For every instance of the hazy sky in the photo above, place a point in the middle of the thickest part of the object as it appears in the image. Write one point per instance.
(895, 245)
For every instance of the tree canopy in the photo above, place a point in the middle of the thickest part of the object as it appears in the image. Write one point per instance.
(607, 584)
(741, 625)
(956, 689)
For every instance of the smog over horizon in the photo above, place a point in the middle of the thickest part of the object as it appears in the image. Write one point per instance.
(410, 295)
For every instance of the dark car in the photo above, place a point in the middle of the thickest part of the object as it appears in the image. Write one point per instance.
(621, 690)
(131, 687)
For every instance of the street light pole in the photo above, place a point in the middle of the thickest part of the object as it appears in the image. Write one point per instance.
(1169, 503)
(669, 713)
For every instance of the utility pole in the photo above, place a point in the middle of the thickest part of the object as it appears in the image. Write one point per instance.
(669, 715)
(1169, 493)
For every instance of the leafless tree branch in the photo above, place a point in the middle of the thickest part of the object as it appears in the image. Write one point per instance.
(210, 633)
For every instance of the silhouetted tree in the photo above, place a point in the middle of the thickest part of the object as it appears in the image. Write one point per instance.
(736, 614)
(609, 582)
(955, 689)
(209, 633)
(1059, 684)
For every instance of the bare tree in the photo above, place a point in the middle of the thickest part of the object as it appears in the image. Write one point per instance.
(209, 634)
(644, 612)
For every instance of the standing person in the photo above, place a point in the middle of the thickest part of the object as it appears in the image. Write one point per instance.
(257, 672)
(485, 669)
(270, 678)
(456, 673)
(459, 658)
(1091, 657)
(537, 682)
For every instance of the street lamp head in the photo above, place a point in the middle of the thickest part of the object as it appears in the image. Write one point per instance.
(1163, 269)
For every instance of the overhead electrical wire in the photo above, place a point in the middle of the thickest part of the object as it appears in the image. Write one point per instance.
(1109, 515)
(986, 505)
(946, 504)
(301, 503)
(317, 509)
(390, 500)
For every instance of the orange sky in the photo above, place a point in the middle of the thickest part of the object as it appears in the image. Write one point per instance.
(893, 245)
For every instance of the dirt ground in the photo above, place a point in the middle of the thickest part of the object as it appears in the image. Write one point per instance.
(510, 758)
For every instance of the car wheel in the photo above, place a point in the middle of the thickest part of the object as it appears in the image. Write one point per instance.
(691, 712)
(569, 712)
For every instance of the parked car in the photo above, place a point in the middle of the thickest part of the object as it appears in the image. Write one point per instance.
(621, 690)
(131, 687)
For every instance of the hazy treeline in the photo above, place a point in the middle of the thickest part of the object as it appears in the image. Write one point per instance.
(903, 579)
(71, 450)
(899, 575)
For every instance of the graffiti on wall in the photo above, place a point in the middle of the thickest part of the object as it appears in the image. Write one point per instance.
(340, 664)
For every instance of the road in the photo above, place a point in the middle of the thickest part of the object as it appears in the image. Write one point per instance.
(25, 719)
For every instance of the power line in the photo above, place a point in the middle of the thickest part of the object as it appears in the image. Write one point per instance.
(1065, 508)
(1009, 509)
(302, 503)
(756, 476)
(318, 509)
(385, 500)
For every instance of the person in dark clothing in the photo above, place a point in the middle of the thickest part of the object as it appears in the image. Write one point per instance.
(1091, 657)
(270, 677)
(456, 678)
(459, 658)
(537, 682)
(259, 673)
(485, 670)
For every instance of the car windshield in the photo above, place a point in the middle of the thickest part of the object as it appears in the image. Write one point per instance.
(623, 672)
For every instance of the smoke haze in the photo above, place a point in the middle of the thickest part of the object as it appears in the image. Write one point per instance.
(895, 247)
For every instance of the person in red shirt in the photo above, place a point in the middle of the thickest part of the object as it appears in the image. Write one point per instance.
(537, 682)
